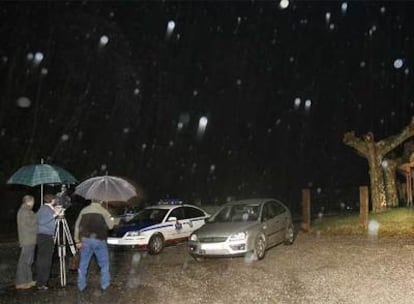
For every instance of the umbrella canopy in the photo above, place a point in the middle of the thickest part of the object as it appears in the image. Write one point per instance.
(34, 175)
(40, 174)
(106, 188)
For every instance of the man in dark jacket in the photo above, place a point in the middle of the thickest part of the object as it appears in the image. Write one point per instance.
(91, 231)
(27, 230)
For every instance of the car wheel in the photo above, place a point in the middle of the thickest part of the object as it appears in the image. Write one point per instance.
(289, 235)
(156, 244)
(259, 247)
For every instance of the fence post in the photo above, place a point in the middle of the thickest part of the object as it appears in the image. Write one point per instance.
(306, 210)
(363, 206)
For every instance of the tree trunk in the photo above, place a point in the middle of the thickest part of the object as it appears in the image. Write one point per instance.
(377, 186)
(391, 191)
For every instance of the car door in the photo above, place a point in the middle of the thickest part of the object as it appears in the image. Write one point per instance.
(281, 220)
(268, 223)
(194, 219)
(275, 221)
(177, 229)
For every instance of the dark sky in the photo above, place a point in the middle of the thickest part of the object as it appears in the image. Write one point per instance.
(120, 87)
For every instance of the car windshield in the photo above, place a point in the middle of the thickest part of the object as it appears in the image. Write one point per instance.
(236, 213)
(150, 215)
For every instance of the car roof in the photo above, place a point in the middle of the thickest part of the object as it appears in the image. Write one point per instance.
(168, 207)
(252, 201)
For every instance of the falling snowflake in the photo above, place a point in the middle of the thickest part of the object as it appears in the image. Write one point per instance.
(180, 126)
(202, 124)
(327, 17)
(103, 40)
(283, 4)
(170, 28)
(23, 102)
(398, 63)
(38, 58)
(344, 7)
(297, 102)
(308, 104)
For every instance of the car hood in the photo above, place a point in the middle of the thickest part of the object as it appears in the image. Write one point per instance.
(120, 230)
(224, 229)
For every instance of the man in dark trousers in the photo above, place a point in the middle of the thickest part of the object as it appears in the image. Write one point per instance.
(45, 240)
(91, 231)
(27, 231)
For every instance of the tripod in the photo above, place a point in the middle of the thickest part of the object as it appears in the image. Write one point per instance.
(63, 237)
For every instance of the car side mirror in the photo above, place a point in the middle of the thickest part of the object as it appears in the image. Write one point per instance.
(172, 219)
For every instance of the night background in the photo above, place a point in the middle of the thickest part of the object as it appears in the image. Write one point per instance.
(124, 87)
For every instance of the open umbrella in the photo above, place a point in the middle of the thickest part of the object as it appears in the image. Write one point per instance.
(40, 174)
(106, 188)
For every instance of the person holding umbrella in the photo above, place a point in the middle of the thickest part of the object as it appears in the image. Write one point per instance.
(45, 239)
(26, 230)
(91, 231)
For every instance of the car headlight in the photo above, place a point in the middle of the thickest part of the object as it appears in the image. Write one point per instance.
(193, 237)
(133, 233)
(241, 236)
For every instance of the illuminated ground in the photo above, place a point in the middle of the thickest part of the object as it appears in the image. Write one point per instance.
(313, 270)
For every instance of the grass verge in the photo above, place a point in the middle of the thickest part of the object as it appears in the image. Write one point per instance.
(397, 222)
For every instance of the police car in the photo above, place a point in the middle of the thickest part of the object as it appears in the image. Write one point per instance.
(170, 221)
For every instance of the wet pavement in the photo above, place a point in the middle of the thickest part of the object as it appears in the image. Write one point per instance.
(315, 269)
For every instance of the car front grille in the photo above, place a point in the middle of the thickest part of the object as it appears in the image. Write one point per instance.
(213, 239)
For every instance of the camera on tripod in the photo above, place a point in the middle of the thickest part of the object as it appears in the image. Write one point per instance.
(63, 200)
(62, 233)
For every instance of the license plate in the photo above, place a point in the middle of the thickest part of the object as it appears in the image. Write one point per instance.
(210, 246)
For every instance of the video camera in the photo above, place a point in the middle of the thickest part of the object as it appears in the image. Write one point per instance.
(63, 200)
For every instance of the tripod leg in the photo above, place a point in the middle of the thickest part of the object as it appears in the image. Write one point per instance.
(69, 239)
(62, 272)
(63, 238)
(63, 268)
(60, 245)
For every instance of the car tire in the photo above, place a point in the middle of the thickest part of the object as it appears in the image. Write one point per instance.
(289, 235)
(156, 244)
(259, 250)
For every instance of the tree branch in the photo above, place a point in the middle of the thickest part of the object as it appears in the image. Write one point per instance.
(355, 142)
(388, 144)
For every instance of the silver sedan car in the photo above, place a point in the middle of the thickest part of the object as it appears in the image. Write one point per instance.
(243, 227)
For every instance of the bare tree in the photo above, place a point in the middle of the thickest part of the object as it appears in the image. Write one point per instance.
(375, 152)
